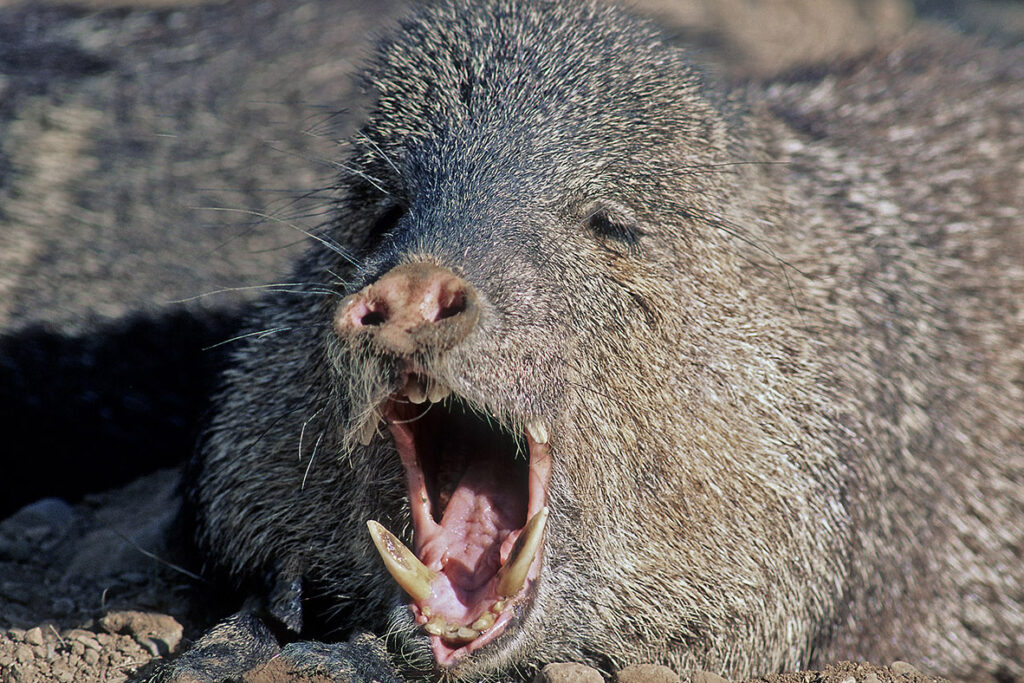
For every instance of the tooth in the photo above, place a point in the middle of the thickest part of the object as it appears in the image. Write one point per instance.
(411, 574)
(498, 607)
(512, 576)
(414, 390)
(483, 622)
(450, 632)
(368, 432)
(538, 431)
(438, 392)
(369, 428)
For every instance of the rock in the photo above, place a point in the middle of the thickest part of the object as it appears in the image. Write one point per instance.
(568, 672)
(48, 515)
(122, 532)
(34, 636)
(707, 677)
(647, 673)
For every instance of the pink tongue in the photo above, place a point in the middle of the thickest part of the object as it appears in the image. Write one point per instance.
(483, 510)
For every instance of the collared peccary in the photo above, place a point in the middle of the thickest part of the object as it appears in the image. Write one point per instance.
(594, 363)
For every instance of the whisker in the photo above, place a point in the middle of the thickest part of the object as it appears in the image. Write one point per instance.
(330, 244)
(726, 164)
(273, 286)
(338, 280)
(376, 182)
(156, 558)
(385, 157)
(413, 419)
(312, 457)
(302, 432)
(324, 122)
(258, 334)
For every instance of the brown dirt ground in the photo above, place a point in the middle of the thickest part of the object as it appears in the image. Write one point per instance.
(79, 600)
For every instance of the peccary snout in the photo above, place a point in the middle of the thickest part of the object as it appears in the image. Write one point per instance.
(413, 308)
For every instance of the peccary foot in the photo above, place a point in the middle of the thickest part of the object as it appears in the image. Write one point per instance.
(360, 660)
(243, 648)
(229, 650)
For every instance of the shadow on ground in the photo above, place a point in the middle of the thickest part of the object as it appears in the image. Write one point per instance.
(92, 412)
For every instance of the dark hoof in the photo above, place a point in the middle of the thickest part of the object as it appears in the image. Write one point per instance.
(228, 651)
(361, 660)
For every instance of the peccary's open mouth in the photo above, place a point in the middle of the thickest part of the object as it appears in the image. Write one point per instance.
(478, 500)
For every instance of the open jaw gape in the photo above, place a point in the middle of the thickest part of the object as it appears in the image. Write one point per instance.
(476, 492)
(478, 511)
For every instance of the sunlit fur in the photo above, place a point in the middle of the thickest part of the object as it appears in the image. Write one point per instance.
(786, 423)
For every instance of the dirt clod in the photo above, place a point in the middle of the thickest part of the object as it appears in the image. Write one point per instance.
(904, 669)
(568, 673)
(651, 673)
(707, 677)
(160, 634)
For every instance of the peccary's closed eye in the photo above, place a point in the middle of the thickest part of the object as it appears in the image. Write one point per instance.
(614, 229)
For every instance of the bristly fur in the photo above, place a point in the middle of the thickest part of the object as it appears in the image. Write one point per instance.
(785, 399)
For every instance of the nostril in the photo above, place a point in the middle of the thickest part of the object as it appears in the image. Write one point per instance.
(412, 307)
(359, 311)
(450, 304)
(374, 316)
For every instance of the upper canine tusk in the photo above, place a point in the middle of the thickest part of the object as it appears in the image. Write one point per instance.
(412, 575)
(512, 576)
(538, 431)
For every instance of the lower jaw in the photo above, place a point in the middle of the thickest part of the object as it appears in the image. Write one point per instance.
(448, 654)
(458, 627)
(460, 609)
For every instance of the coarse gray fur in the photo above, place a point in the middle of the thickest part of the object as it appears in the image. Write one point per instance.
(780, 349)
